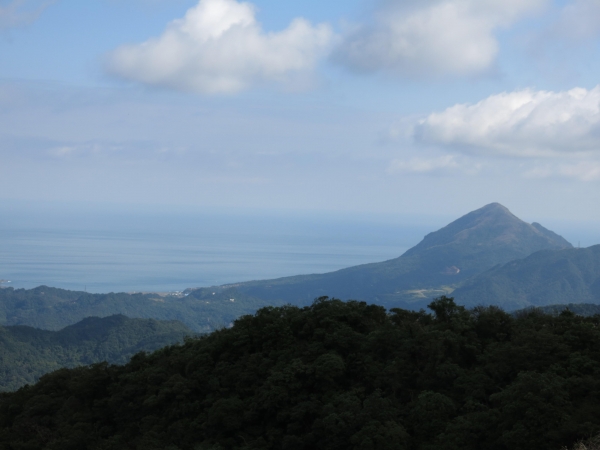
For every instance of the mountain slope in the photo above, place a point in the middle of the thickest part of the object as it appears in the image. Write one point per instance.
(27, 353)
(470, 245)
(543, 278)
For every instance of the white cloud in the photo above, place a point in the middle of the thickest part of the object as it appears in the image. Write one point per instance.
(523, 123)
(219, 47)
(436, 37)
(20, 12)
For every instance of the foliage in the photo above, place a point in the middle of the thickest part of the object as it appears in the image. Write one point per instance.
(28, 353)
(333, 375)
(590, 444)
(581, 309)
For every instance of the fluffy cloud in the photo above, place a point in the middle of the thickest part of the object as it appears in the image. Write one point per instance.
(436, 37)
(219, 47)
(20, 12)
(524, 123)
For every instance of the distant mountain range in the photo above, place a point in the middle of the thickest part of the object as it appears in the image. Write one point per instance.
(27, 353)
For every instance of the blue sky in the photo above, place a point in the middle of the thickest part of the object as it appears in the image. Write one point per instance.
(355, 107)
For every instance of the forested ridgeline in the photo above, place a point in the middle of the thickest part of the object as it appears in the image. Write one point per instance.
(53, 309)
(335, 375)
(28, 353)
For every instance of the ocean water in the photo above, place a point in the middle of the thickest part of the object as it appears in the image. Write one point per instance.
(132, 252)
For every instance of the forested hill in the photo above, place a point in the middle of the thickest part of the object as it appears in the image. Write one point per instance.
(28, 353)
(544, 278)
(52, 309)
(468, 246)
(332, 376)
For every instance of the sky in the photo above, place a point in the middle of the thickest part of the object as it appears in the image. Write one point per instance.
(357, 107)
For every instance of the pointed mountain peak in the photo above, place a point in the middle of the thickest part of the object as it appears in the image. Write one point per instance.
(489, 233)
(495, 210)
(494, 207)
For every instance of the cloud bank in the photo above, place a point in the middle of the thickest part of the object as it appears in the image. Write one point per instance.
(219, 47)
(437, 37)
(524, 123)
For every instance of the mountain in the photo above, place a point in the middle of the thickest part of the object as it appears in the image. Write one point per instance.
(485, 237)
(27, 353)
(543, 278)
(442, 260)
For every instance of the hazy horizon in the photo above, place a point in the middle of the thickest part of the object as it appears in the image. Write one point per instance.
(113, 249)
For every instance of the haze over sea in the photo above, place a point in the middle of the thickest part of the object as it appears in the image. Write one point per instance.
(123, 250)
(144, 251)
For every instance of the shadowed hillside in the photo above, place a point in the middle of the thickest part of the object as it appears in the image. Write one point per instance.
(544, 278)
(28, 353)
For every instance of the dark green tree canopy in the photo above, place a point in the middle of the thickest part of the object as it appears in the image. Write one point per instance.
(333, 375)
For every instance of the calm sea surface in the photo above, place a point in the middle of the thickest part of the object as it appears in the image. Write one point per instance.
(145, 252)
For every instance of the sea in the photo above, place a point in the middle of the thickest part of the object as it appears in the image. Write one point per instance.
(142, 250)
(126, 251)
